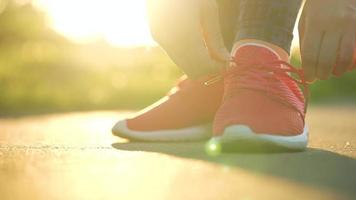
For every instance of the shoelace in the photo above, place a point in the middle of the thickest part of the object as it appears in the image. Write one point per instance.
(246, 71)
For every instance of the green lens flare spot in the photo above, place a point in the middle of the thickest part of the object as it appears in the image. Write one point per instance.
(213, 147)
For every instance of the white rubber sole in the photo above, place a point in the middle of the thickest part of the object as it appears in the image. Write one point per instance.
(243, 135)
(195, 133)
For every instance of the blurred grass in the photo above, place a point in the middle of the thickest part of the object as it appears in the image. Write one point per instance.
(41, 71)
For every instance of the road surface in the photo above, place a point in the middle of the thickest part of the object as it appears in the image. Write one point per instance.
(74, 156)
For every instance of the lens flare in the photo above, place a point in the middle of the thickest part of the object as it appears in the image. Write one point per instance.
(213, 147)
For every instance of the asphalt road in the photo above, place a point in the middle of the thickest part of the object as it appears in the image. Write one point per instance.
(74, 156)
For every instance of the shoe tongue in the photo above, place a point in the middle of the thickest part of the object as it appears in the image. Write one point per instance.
(254, 54)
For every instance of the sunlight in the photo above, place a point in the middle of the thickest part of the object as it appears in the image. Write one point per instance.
(120, 22)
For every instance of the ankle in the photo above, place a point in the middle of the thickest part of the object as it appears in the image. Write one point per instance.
(280, 52)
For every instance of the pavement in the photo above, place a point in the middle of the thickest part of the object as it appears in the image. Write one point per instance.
(74, 156)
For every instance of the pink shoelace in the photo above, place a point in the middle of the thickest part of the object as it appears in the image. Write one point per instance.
(248, 75)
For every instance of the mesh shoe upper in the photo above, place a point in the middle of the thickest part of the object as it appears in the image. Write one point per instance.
(190, 103)
(260, 93)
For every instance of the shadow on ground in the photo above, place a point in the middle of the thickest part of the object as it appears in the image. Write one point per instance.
(314, 167)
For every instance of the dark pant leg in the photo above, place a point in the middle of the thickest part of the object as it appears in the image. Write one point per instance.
(229, 15)
(268, 20)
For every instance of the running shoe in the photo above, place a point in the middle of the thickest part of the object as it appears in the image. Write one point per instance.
(185, 114)
(262, 104)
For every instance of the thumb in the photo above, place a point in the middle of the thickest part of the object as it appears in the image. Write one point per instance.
(212, 31)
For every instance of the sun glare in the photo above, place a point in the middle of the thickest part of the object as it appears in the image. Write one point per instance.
(120, 22)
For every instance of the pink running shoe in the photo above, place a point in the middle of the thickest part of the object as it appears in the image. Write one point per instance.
(185, 114)
(262, 103)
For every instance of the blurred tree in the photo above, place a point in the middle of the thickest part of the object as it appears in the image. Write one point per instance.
(21, 22)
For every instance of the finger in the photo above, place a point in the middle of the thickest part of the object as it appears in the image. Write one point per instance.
(345, 54)
(310, 51)
(212, 31)
(328, 54)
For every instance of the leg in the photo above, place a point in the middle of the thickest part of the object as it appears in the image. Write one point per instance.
(228, 13)
(261, 101)
(248, 19)
(271, 21)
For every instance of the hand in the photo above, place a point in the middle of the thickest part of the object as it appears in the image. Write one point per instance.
(327, 30)
(189, 31)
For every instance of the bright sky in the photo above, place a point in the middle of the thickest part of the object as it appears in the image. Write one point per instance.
(120, 22)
